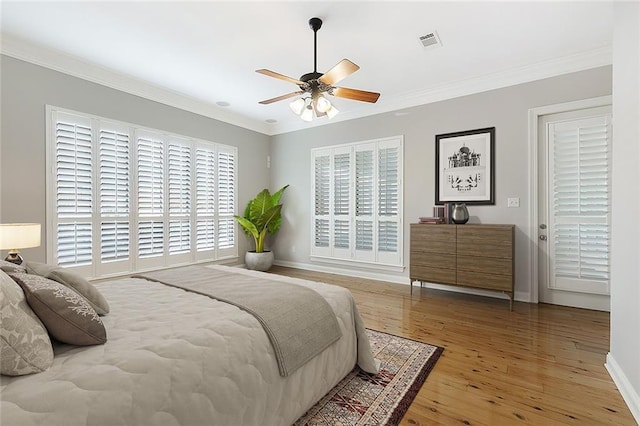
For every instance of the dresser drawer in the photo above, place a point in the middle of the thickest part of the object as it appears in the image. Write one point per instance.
(433, 232)
(432, 275)
(433, 260)
(427, 247)
(486, 281)
(485, 265)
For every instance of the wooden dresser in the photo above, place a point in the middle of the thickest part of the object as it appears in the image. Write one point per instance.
(477, 256)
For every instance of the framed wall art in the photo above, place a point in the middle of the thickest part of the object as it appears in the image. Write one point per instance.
(465, 167)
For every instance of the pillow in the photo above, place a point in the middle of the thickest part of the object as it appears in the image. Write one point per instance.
(11, 267)
(73, 281)
(82, 286)
(25, 347)
(38, 268)
(67, 315)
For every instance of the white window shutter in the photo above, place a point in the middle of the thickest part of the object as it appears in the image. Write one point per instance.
(342, 202)
(226, 196)
(126, 198)
(73, 176)
(74, 243)
(579, 201)
(114, 173)
(179, 236)
(150, 239)
(114, 241)
(321, 191)
(388, 199)
(205, 199)
(114, 194)
(150, 175)
(357, 202)
(179, 197)
(365, 199)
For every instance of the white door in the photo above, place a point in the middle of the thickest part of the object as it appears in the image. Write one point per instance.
(574, 199)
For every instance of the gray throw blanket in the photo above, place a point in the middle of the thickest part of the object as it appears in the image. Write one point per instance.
(299, 322)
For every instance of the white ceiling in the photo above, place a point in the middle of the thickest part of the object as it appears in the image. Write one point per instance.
(193, 55)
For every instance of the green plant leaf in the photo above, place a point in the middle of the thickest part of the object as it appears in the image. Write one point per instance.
(274, 225)
(248, 227)
(259, 205)
(275, 198)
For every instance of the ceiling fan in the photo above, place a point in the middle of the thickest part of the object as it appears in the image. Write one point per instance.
(317, 85)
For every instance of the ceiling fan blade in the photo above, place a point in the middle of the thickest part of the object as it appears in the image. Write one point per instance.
(280, 98)
(279, 76)
(355, 94)
(343, 69)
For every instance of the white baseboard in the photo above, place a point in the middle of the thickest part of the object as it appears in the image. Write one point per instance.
(519, 296)
(347, 272)
(629, 394)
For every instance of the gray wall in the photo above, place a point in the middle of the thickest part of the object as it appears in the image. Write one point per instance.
(623, 359)
(506, 109)
(27, 88)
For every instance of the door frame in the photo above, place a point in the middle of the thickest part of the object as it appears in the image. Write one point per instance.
(532, 228)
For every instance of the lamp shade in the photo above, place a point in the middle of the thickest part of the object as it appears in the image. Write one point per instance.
(19, 235)
(323, 104)
(297, 106)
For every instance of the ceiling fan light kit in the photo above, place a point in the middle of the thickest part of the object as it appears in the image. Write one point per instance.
(314, 86)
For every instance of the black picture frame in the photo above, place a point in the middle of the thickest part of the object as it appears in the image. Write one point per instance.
(465, 167)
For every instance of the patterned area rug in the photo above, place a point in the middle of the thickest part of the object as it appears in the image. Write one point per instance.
(382, 399)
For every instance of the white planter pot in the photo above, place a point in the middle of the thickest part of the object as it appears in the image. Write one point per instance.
(258, 261)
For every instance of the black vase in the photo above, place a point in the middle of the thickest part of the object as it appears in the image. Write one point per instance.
(460, 214)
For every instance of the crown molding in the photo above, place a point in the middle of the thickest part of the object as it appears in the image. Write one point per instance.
(68, 64)
(72, 65)
(551, 68)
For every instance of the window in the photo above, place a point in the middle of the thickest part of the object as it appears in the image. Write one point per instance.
(357, 202)
(125, 198)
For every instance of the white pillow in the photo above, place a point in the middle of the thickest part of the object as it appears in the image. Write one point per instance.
(25, 346)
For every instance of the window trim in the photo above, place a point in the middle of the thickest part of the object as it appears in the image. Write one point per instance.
(97, 268)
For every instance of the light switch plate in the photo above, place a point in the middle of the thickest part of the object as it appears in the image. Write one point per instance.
(513, 202)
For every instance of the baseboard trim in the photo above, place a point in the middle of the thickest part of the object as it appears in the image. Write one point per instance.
(519, 296)
(346, 272)
(629, 394)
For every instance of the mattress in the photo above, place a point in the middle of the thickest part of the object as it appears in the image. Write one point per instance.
(180, 358)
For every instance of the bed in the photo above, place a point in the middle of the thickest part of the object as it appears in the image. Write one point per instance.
(174, 357)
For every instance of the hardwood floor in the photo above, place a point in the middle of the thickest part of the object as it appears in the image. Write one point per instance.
(540, 364)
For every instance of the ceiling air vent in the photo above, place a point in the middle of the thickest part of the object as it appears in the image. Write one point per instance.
(430, 40)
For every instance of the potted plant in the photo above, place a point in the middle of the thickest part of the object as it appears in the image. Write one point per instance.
(262, 216)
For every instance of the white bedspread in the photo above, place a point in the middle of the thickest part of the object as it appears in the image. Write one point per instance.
(179, 358)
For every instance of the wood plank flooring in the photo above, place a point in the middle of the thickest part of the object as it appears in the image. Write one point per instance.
(538, 365)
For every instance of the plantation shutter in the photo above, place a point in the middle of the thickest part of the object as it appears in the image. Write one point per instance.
(321, 191)
(114, 161)
(357, 202)
(365, 202)
(580, 204)
(125, 199)
(226, 197)
(342, 202)
(151, 192)
(205, 199)
(388, 200)
(179, 158)
(73, 189)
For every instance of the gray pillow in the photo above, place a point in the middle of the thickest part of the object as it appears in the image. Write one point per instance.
(67, 315)
(82, 286)
(25, 347)
(11, 267)
(38, 268)
(73, 281)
